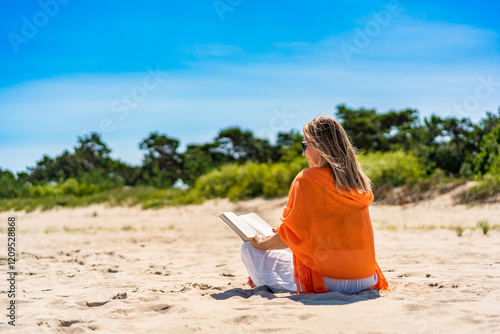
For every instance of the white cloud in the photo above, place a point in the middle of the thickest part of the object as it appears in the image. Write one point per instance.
(411, 38)
(403, 38)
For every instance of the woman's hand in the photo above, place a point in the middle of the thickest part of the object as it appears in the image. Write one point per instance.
(267, 243)
(258, 241)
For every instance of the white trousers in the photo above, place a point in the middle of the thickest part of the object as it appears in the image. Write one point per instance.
(274, 268)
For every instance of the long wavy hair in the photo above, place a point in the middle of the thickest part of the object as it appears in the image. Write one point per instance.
(329, 138)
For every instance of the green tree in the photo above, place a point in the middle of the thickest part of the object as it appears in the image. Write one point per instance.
(10, 187)
(490, 122)
(402, 128)
(289, 146)
(89, 163)
(200, 159)
(239, 145)
(162, 165)
(369, 130)
(93, 152)
(488, 159)
(485, 126)
(458, 130)
(434, 130)
(450, 143)
(361, 125)
(44, 171)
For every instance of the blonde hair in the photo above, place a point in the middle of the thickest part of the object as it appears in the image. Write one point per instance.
(328, 137)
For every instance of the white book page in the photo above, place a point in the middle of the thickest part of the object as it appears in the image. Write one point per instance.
(258, 224)
(239, 224)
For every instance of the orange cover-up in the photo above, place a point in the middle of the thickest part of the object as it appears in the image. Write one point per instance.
(330, 234)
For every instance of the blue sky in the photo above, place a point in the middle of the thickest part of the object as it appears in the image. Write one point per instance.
(191, 68)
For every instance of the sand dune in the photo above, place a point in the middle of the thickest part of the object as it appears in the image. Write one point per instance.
(178, 270)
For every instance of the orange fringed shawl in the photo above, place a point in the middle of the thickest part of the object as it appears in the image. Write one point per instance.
(330, 234)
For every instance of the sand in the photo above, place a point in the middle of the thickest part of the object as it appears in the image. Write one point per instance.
(178, 270)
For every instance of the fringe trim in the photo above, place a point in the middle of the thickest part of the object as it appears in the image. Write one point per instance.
(305, 278)
(382, 284)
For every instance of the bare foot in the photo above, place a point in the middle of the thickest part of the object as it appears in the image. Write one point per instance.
(251, 283)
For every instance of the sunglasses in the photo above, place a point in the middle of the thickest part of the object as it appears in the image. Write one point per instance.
(304, 146)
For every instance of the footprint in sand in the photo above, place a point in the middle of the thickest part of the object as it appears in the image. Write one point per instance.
(236, 292)
(94, 304)
(160, 308)
(67, 323)
(305, 316)
(120, 295)
(244, 319)
(413, 307)
(199, 286)
(43, 323)
(202, 286)
(185, 289)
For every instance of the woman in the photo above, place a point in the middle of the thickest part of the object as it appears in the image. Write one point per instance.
(326, 223)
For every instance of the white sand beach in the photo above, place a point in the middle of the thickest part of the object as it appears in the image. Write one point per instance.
(178, 270)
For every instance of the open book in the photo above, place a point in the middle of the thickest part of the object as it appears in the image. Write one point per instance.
(246, 226)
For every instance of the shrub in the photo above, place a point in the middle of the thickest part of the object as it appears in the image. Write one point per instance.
(485, 227)
(70, 187)
(85, 189)
(249, 180)
(43, 191)
(392, 169)
(487, 188)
